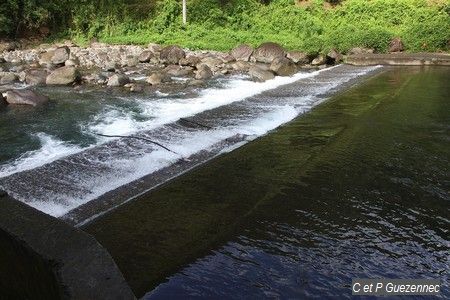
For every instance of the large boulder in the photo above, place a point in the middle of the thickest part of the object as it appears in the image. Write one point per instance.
(260, 74)
(172, 54)
(118, 80)
(298, 57)
(283, 66)
(242, 52)
(267, 52)
(63, 76)
(190, 60)
(145, 56)
(24, 97)
(36, 77)
(203, 72)
(60, 55)
(214, 63)
(396, 45)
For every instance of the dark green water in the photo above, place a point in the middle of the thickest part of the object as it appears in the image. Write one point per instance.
(359, 187)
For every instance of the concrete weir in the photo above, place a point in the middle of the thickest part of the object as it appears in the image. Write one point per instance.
(44, 258)
(399, 59)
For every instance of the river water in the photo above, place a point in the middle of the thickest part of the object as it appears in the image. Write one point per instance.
(357, 188)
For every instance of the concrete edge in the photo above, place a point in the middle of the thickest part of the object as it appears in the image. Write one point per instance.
(38, 244)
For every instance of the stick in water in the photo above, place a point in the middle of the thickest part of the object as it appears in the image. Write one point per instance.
(139, 138)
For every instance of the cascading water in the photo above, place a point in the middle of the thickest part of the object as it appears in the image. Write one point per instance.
(60, 176)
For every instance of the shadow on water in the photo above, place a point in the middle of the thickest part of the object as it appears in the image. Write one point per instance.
(358, 187)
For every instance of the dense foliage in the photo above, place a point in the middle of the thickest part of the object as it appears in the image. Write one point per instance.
(310, 25)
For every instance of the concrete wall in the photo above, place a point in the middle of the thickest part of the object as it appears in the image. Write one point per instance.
(43, 258)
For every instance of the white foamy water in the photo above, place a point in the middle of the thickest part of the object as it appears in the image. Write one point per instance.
(119, 170)
(51, 149)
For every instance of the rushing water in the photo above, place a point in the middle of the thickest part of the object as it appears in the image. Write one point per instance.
(358, 187)
(54, 160)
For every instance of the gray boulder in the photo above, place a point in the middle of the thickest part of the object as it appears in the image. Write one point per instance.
(145, 56)
(190, 60)
(157, 78)
(60, 55)
(283, 66)
(298, 57)
(178, 71)
(203, 72)
(45, 58)
(36, 77)
(63, 76)
(242, 52)
(24, 97)
(267, 52)
(154, 48)
(118, 80)
(259, 74)
(172, 54)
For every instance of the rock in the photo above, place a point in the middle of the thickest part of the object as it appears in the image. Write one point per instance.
(177, 71)
(8, 46)
(267, 52)
(156, 78)
(319, 60)
(334, 56)
(45, 59)
(131, 61)
(283, 66)
(360, 50)
(154, 48)
(134, 87)
(7, 77)
(72, 62)
(63, 76)
(172, 54)
(242, 52)
(240, 66)
(60, 55)
(190, 60)
(118, 80)
(298, 57)
(213, 63)
(145, 56)
(111, 66)
(25, 97)
(396, 45)
(259, 74)
(203, 72)
(227, 59)
(36, 77)
(196, 82)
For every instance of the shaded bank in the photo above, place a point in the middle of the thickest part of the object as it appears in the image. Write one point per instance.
(357, 187)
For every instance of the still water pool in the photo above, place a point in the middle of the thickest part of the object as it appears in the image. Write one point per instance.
(357, 188)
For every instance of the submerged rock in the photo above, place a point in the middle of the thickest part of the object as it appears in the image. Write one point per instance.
(24, 97)
(63, 76)
(260, 74)
(283, 66)
(267, 52)
(242, 52)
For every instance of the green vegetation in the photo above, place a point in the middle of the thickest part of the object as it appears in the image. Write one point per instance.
(308, 25)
